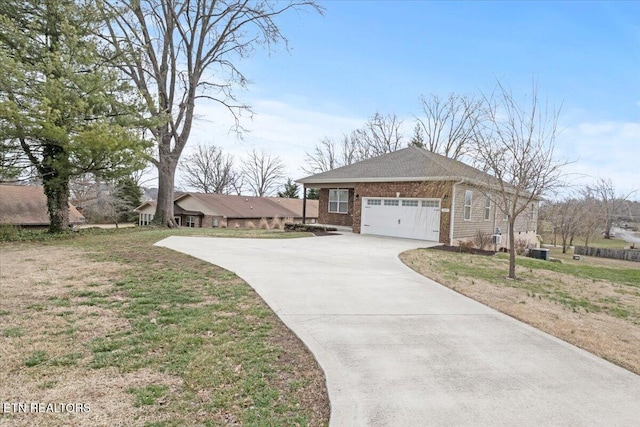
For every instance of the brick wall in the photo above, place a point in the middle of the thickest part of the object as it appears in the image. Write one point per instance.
(432, 190)
(425, 190)
(326, 217)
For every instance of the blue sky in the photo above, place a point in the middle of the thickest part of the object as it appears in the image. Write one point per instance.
(364, 57)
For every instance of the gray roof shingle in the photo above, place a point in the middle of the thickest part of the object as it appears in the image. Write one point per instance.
(407, 164)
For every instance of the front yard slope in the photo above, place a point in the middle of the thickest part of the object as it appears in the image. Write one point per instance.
(146, 337)
(595, 307)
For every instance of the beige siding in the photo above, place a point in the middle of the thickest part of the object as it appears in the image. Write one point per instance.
(525, 227)
(189, 203)
(467, 229)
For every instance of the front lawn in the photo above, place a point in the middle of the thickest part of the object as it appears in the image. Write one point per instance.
(146, 336)
(592, 303)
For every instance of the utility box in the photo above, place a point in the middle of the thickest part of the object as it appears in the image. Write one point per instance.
(539, 253)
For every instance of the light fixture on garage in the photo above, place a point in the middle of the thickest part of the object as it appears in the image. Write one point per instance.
(398, 194)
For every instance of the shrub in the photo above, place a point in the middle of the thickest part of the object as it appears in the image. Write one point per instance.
(277, 223)
(522, 246)
(466, 246)
(481, 239)
(250, 225)
(264, 224)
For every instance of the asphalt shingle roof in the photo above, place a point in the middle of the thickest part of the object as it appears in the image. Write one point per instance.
(411, 163)
(27, 205)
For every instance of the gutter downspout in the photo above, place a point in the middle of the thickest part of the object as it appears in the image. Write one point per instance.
(453, 203)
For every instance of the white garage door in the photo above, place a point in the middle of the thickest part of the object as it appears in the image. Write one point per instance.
(408, 218)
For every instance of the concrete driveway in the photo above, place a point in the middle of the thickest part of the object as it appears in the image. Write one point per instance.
(401, 350)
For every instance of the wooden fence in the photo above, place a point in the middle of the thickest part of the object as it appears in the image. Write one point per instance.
(624, 254)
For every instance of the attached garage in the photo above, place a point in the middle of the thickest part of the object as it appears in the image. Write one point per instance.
(408, 218)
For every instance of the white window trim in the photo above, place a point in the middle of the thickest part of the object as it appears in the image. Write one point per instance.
(338, 201)
(464, 212)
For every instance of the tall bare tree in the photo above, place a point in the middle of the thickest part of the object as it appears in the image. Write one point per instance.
(516, 146)
(178, 52)
(449, 124)
(608, 202)
(262, 172)
(380, 135)
(208, 169)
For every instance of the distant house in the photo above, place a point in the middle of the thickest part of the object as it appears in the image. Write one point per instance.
(227, 211)
(26, 206)
(417, 194)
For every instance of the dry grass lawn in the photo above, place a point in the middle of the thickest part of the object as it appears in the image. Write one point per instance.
(145, 336)
(592, 303)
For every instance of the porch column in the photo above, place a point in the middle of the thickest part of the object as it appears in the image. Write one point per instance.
(304, 204)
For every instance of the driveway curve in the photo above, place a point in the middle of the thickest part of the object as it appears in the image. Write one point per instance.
(399, 349)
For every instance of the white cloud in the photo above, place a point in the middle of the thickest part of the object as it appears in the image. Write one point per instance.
(280, 128)
(606, 149)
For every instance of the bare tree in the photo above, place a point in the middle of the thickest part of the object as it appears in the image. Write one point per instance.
(178, 52)
(323, 158)
(208, 170)
(610, 204)
(567, 217)
(380, 135)
(262, 172)
(449, 124)
(515, 145)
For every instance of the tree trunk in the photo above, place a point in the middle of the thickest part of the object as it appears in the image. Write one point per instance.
(57, 192)
(54, 171)
(512, 250)
(166, 176)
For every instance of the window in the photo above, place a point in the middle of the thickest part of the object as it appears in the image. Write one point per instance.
(413, 203)
(533, 211)
(431, 203)
(191, 221)
(339, 201)
(391, 202)
(374, 202)
(468, 196)
(487, 208)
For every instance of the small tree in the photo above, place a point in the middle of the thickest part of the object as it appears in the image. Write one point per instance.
(417, 140)
(515, 145)
(313, 194)
(290, 190)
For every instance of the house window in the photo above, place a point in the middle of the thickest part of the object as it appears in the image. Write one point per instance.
(431, 203)
(468, 196)
(413, 203)
(533, 211)
(487, 208)
(339, 201)
(191, 221)
(215, 222)
(374, 202)
(391, 202)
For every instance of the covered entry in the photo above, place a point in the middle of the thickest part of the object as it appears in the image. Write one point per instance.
(401, 217)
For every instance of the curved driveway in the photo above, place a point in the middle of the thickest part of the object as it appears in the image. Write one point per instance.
(401, 350)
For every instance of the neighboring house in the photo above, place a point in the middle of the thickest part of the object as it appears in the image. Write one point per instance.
(26, 206)
(414, 193)
(226, 211)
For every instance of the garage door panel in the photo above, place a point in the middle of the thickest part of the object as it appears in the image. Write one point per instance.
(407, 218)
